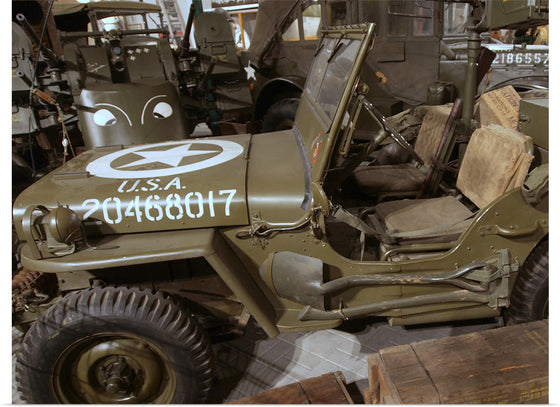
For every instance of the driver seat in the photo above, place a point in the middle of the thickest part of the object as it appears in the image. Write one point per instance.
(496, 161)
(405, 179)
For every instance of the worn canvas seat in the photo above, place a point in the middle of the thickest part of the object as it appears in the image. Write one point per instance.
(405, 179)
(497, 160)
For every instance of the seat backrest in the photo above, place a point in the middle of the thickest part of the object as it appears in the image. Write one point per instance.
(429, 135)
(497, 160)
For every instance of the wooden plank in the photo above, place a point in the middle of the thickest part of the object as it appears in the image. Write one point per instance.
(504, 365)
(409, 376)
(326, 389)
(381, 390)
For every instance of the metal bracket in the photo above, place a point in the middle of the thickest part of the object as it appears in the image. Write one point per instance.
(506, 267)
(512, 230)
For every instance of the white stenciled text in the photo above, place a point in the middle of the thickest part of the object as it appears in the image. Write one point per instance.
(154, 208)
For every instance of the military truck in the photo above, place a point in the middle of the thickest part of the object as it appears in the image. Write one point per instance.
(138, 245)
(428, 38)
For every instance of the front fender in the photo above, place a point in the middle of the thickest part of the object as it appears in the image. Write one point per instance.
(143, 248)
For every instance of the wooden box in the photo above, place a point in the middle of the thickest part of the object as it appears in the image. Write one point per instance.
(501, 366)
(500, 106)
(326, 389)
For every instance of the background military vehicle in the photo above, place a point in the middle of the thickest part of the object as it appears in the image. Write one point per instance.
(36, 117)
(139, 244)
(108, 73)
(207, 83)
(426, 37)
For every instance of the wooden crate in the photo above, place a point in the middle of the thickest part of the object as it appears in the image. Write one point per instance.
(326, 389)
(500, 106)
(501, 366)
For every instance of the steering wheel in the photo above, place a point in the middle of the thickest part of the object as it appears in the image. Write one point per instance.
(393, 133)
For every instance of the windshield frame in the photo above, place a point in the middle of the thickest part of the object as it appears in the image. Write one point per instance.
(320, 133)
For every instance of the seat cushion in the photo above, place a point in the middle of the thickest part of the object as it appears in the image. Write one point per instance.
(377, 179)
(446, 214)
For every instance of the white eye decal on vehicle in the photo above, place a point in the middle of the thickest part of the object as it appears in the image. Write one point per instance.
(103, 118)
(164, 159)
(162, 110)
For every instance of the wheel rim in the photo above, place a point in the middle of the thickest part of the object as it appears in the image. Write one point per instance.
(114, 368)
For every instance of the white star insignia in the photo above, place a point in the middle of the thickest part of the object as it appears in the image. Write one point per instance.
(171, 157)
(250, 72)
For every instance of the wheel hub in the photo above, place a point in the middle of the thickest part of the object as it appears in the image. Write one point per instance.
(114, 368)
(118, 376)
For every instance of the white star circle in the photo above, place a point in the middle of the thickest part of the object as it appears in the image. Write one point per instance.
(170, 157)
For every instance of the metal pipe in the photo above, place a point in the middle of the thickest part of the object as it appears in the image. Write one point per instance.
(25, 78)
(99, 34)
(47, 53)
(344, 283)
(473, 51)
(202, 85)
(415, 248)
(184, 45)
(309, 313)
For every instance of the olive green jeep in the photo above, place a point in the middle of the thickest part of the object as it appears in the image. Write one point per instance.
(135, 246)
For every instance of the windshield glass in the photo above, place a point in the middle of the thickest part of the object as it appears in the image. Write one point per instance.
(330, 71)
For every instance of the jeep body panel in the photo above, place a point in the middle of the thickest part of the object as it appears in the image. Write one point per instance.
(278, 187)
(508, 227)
(151, 187)
(109, 112)
(274, 250)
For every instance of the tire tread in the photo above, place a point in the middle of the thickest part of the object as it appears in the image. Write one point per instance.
(135, 303)
(532, 278)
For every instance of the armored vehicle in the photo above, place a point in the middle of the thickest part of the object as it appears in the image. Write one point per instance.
(139, 244)
(429, 38)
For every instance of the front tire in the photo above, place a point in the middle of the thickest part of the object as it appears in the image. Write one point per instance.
(529, 298)
(115, 345)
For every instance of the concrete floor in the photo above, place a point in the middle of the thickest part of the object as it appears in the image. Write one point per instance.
(253, 363)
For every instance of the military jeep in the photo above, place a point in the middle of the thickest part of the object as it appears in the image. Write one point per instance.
(144, 242)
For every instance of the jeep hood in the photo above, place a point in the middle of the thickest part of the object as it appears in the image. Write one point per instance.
(187, 184)
(194, 183)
